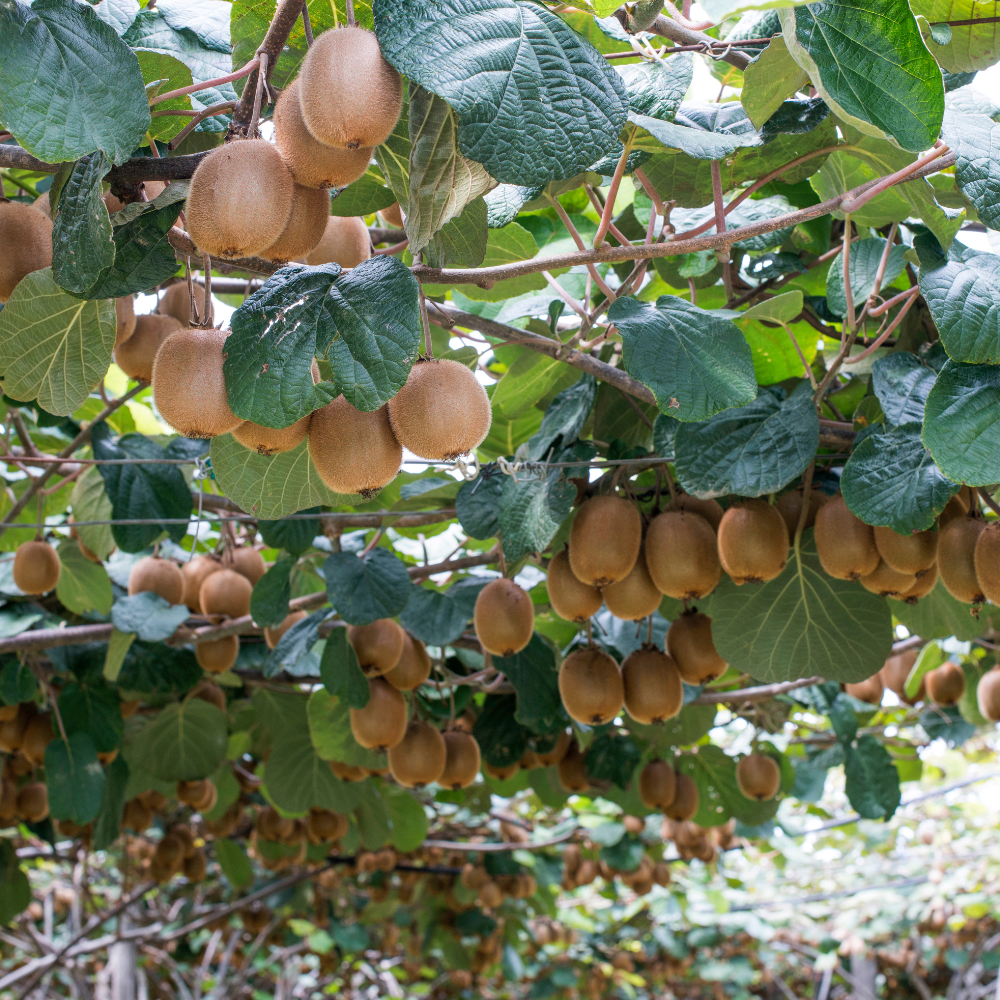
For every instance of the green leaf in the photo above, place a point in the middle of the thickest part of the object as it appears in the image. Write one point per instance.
(930, 658)
(612, 757)
(154, 668)
(374, 823)
(867, 60)
(408, 818)
(330, 730)
(657, 88)
(15, 892)
(292, 654)
(118, 647)
(234, 863)
(83, 585)
(504, 202)
(94, 709)
(534, 672)
(565, 416)
(365, 321)
(531, 511)
(937, 616)
(962, 423)
(57, 59)
(901, 382)
(17, 683)
(364, 590)
(75, 779)
(535, 101)
(53, 347)
(91, 503)
(872, 784)
(163, 73)
(462, 242)
(294, 536)
(696, 362)
(703, 132)
(750, 451)
(529, 379)
(972, 46)
(185, 742)
(719, 795)
(719, 9)
(367, 195)
(946, 723)
(501, 739)
(803, 623)
(108, 825)
(769, 79)
(148, 615)
(976, 142)
(682, 730)
(436, 618)
(891, 479)
(478, 505)
(81, 233)
(340, 672)
(866, 255)
(506, 436)
(271, 594)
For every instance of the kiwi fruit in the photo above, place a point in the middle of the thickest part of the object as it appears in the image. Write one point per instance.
(313, 164)
(689, 643)
(306, 226)
(572, 770)
(869, 690)
(322, 826)
(657, 784)
(758, 777)
(504, 618)
(347, 772)
(441, 412)
(378, 646)
(195, 868)
(591, 687)
(272, 636)
(653, 688)
(26, 236)
(413, 667)
(887, 582)
(8, 713)
(896, 669)
(195, 571)
(753, 542)
(38, 735)
(158, 576)
(958, 506)
(272, 440)
(349, 95)
(226, 593)
(987, 561)
(462, 760)
(36, 567)
(176, 302)
(240, 199)
(789, 506)
(246, 561)
(189, 389)
(353, 451)
(124, 318)
(169, 853)
(189, 792)
(12, 732)
(922, 587)
(382, 722)
(988, 695)
(137, 816)
(43, 205)
(218, 655)
(604, 540)
(844, 543)
(393, 215)
(682, 555)
(684, 804)
(419, 759)
(956, 561)
(33, 802)
(636, 596)
(151, 189)
(945, 685)
(571, 599)
(501, 773)
(550, 758)
(710, 510)
(136, 355)
(346, 242)
(914, 553)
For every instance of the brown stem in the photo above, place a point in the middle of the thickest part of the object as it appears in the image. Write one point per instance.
(578, 240)
(215, 109)
(849, 318)
(853, 204)
(258, 96)
(720, 228)
(669, 28)
(657, 201)
(988, 500)
(884, 336)
(307, 24)
(196, 87)
(209, 318)
(889, 303)
(425, 323)
(748, 695)
(616, 180)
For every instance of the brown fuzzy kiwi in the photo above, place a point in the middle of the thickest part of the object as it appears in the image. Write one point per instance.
(12, 732)
(572, 770)
(571, 599)
(653, 689)
(753, 542)
(504, 618)
(988, 695)
(636, 596)
(462, 760)
(896, 669)
(689, 642)
(219, 655)
(591, 687)
(43, 205)
(38, 734)
(657, 784)
(313, 164)
(500, 773)
(240, 199)
(382, 722)
(347, 772)
(346, 242)
(176, 302)
(946, 684)
(789, 506)
(958, 506)
(441, 412)
(159, 576)
(914, 553)
(151, 189)
(348, 63)
(195, 868)
(195, 572)
(353, 451)
(549, 758)
(247, 561)
(378, 646)
(710, 510)
(9, 712)
(36, 567)
(272, 636)
(136, 355)
(189, 389)
(210, 693)
(271, 440)
(685, 800)
(33, 802)
(124, 318)
(758, 777)
(869, 690)
(987, 561)
(26, 236)
(682, 555)
(226, 593)
(844, 543)
(604, 540)
(887, 582)
(413, 668)
(956, 561)
(393, 215)
(922, 587)
(306, 226)
(137, 816)
(189, 792)
(170, 851)
(419, 759)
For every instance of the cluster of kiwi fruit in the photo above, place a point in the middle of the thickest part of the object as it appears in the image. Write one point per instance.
(176, 853)
(581, 866)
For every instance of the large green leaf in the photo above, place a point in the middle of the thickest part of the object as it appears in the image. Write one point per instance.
(534, 672)
(866, 256)
(462, 241)
(341, 673)
(271, 594)
(86, 707)
(696, 362)
(83, 585)
(438, 618)
(535, 101)
(330, 731)
(657, 88)
(365, 589)
(938, 616)
(90, 503)
(15, 892)
(163, 73)
(234, 863)
(872, 783)
(970, 46)
(869, 63)
(365, 321)
(107, 829)
(901, 382)
(185, 742)
(719, 795)
(529, 379)
(976, 142)
(532, 509)
(500, 737)
(751, 451)
(54, 347)
(769, 79)
(70, 85)
(407, 815)
(801, 624)
(75, 779)
(703, 131)
(81, 233)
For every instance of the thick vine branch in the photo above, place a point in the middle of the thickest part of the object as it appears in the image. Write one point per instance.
(748, 695)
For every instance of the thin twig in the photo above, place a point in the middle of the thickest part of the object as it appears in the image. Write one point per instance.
(196, 87)
(215, 109)
(616, 180)
(307, 24)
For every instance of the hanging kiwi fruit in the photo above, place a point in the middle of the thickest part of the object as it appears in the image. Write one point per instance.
(682, 555)
(462, 760)
(753, 542)
(271, 440)
(36, 567)
(245, 560)
(869, 690)
(176, 302)
(657, 785)
(844, 543)
(26, 236)
(895, 671)
(789, 506)
(684, 804)
(413, 666)
(652, 686)
(690, 645)
(226, 593)
(888, 582)
(504, 618)
(591, 687)
(946, 684)
(922, 586)
(160, 576)
(956, 559)
(346, 241)
(381, 724)
(913, 554)
(305, 227)
(195, 571)
(272, 635)
(986, 558)
(711, 510)
(636, 596)
(378, 646)
(218, 655)
(570, 599)
(572, 770)
(137, 354)
(758, 776)
(604, 540)
(419, 758)
(988, 695)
